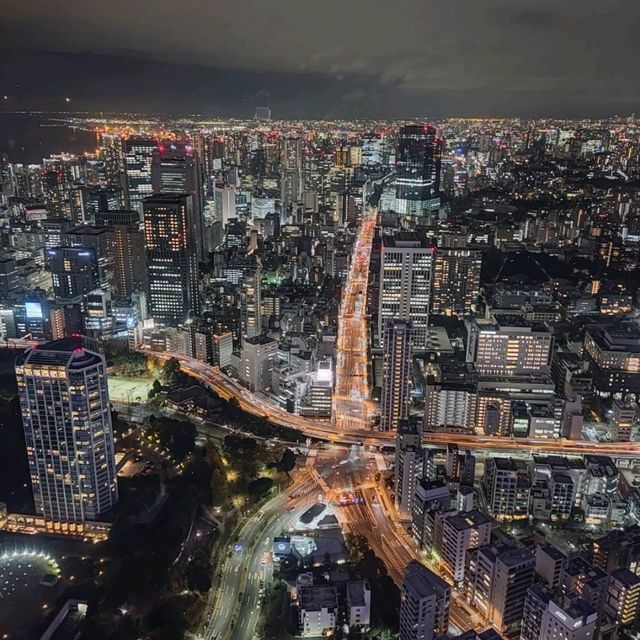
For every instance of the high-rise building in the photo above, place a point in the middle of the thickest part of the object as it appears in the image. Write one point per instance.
(138, 155)
(74, 272)
(406, 263)
(112, 155)
(508, 346)
(129, 268)
(175, 169)
(172, 262)
(418, 159)
(426, 598)
(507, 487)
(461, 532)
(623, 420)
(66, 416)
(496, 581)
(623, 597)
(456, 281)
(408, 464)
(291, 176)
(252, 303)
(451, 398)
(397, 357)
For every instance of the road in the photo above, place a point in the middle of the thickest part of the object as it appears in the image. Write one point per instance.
(351, 392)
(317, 429)
(243, 573)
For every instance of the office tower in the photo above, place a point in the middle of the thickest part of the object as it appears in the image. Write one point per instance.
(172, 263)
(424, 610)
(507, 487)
(175, 169)
(256, 362)
(461, 532)
(451, 398)
(224, 203)
(54, 230)
(372, 150)
(456, 281)
(203, 144)
(252, 303)
(291, 177)
(74, 272)
(66, 416)
(508, 346)
(130, 268)
(321, 391)
(56, 192)
(406, 262)
(418, 158)
(623, 598)
(397, 358)
(38, 319)
(408, 464)
(112, 155)
(138, 155)
(547, 616)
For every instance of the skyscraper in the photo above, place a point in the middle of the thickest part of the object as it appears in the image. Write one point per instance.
(406, 263)
(172, 263)
(252, 303)
(129, 268)
(456, 281)
(291, 176)
(408, 464)
(397, 354)
(66, 416)
(426, 598)
(74, 272)
(138, 154)
(175, 169)
(418, 158)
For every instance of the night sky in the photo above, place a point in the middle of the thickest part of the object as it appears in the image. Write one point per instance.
(352, 58)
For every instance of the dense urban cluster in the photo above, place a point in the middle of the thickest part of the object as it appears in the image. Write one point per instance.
(441, 320)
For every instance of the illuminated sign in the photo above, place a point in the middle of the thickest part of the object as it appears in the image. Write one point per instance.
(33, 310)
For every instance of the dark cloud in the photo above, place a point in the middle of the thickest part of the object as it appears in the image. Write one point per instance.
(350, 57)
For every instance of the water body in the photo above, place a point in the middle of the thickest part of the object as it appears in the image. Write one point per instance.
(28, 137)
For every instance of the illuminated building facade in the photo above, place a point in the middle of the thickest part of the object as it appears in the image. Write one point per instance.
(175, 169)
(397, 355)
(509, 346)
(406, 264)
(456, 281)
(252, 303)
(66, 416)
(138, 155)
(418, 160)
(291, 176)
(172, 263)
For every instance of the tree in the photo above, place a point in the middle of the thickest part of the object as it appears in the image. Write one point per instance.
(156, 387)
(287, 461)
(171, 370)
(260, 487)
